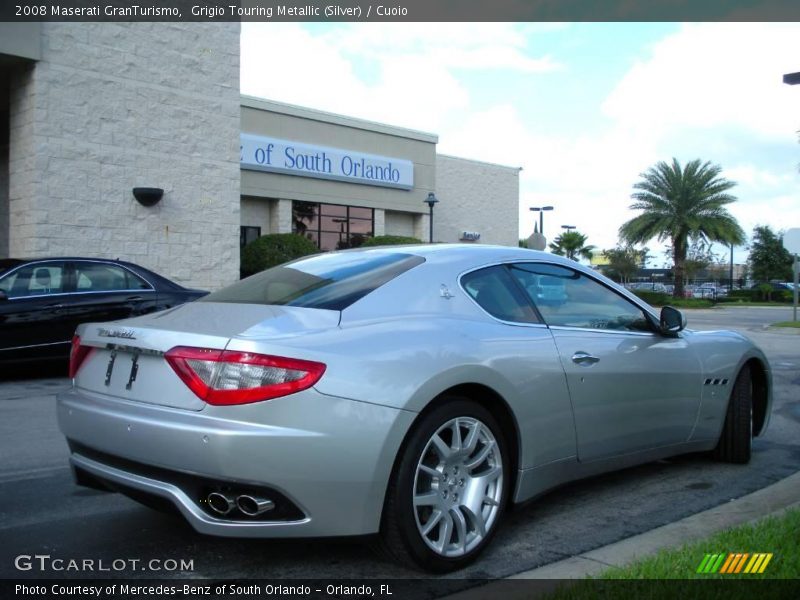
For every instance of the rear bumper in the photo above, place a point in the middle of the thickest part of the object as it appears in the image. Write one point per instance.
(328, 457)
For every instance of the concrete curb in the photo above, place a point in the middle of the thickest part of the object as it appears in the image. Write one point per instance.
(771, 500)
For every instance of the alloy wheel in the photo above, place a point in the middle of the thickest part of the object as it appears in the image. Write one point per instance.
(458, 487)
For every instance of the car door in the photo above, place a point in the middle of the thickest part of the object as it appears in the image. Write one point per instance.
(632, 388)
(33, 322)
(106, 291)
(520, 347)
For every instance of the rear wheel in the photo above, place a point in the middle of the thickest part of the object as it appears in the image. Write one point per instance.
(737, 433)
(448, 490)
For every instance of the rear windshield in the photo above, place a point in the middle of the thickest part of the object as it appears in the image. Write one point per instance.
(7, 264)
(331, 281)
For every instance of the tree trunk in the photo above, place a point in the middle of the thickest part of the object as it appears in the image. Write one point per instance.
(679, 258)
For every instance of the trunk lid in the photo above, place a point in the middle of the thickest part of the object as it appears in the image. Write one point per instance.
(127, 359)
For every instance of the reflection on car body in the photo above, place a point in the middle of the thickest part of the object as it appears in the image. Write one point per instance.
(347, 394)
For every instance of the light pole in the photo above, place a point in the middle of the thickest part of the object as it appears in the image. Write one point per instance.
(540, 210)
(430, 201)
(730, 284)
(794, 79)
(568, 227)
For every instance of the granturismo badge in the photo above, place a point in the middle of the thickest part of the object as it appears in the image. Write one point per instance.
(128, 334)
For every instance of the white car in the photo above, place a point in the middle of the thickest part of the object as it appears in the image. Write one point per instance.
(709, 291)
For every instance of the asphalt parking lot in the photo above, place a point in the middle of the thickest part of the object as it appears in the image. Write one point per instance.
(43, 512)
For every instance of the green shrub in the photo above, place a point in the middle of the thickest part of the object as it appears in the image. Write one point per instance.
(763, 293)
(746, 295)
(390, 240)
(653, 298)
(690, 302)
(274, 249)
(766, 291)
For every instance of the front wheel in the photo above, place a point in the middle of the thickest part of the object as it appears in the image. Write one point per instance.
(737, 433)
(448, 489)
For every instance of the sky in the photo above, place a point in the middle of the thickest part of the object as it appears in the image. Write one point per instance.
(582, 108)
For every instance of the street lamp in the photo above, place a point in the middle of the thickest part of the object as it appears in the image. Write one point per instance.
(430, 201)
(568, 227)
(791, 78)
(341, 229)
(540, 210)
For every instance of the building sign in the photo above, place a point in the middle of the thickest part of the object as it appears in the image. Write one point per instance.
(259, 153)
(469, 236)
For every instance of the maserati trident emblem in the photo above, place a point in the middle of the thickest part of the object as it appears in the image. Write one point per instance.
(127, 334)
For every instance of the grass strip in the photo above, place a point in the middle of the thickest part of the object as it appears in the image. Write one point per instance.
(680, 572)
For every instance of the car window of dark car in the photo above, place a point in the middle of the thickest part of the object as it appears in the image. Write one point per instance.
(568, 298)
(330, 281)
(101, 277)
(38, 279)
(496, 293)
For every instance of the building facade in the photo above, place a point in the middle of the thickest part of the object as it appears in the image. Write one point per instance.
(338, 180)
(89, 112)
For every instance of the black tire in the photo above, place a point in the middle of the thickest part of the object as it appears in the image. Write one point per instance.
(737, 433)
(401, 535)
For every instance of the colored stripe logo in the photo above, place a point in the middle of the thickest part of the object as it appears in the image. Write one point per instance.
(735, 562)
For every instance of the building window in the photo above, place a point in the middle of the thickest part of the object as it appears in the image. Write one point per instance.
(333, 226)
(248, 234)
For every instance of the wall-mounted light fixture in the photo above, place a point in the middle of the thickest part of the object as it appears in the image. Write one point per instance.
(147, 196)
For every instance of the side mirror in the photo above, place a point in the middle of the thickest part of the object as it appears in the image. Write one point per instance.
(3, 296)
(672, 320)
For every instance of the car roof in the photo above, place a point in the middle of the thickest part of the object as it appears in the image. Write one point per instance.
(468, 252)
(65, 258)
(10, 263)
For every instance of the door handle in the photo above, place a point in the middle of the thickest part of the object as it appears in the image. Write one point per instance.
(132, 298)
(584, 359)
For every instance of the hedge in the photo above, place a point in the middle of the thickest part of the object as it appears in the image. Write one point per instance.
(758, 295)
(653, 298)
(274, 249)
(390, 240)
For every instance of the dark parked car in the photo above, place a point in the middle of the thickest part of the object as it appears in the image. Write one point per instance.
(777, 286)
(43, 300)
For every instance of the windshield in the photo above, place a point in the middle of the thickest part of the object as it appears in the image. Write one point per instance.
(330, 281)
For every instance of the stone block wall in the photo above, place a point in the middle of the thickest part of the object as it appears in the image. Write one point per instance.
(113, 106)
(476, 197)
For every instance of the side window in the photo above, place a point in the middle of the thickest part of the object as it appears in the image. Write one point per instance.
(494, 290)
(568, 298)
(35, 280)
(99, 277)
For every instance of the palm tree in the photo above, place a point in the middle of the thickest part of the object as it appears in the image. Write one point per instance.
(679, 205)
(572, 244)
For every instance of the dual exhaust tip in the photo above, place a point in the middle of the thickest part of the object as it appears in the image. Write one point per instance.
(252, 506)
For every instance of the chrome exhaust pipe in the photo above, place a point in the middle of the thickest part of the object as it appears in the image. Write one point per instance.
(253, 506)
(220, 503)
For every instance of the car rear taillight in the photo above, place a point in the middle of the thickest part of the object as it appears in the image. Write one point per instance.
(77, 355)
(228, 377)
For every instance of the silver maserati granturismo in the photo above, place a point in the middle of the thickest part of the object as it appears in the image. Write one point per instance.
(414, 392)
